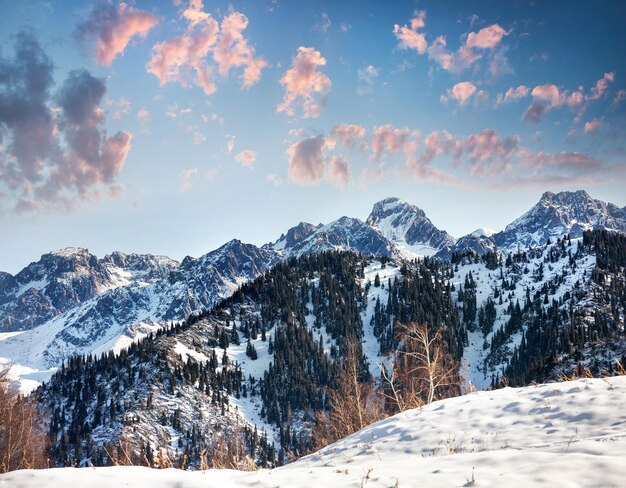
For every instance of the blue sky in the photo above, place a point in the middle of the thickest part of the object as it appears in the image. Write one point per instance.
(307, 111)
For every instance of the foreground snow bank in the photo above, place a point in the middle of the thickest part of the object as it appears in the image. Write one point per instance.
(563, 434)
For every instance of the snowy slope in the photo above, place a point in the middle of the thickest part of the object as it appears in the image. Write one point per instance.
(553, 435)
(524, 279)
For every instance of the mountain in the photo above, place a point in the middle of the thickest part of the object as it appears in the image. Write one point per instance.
(408, 227)
(71, 302)
(558, 214)
(257, 366)
(480, 241)
(554, 435)
(65, 279)
(344, 233)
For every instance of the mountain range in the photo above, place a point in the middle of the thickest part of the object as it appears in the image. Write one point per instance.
(72, 302)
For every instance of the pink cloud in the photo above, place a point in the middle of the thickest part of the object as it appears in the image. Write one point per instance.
(455, 62)
(304, 84)
(408, 37)
(571, 162)
(339, 171)
(185, 59)
(246, 158)
(461, 92)
(111, 29)
(306, 161)
(438, 142)
(549, 96)
(389, 139)
(274, 179)
(512, 94)
(592, 126)
(186, 176)
(620, 96)
(346, 134)
(601, 86)
(232, 50)
(176, 60)
(486, 38)
(490, 154)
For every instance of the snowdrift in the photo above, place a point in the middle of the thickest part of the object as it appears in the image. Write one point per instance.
(558, 434)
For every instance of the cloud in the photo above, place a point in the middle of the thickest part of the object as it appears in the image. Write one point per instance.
(389, 139)
(120, 107)
(306, 163)
(549, 96)
(230, 143)
(143, 116)
(620, 96)
(366, 77)
(274, 179)
(408, 37)
(55, 148)
(486, 38)
(324, 24)
(185, 59)
(339, 171)
(488, 153)
(512, 94)
(346, 134)
(485, 159)
(246, 158)
(567, 162)
(176, 60)
(232, 50)
(461, 92)
(186, 175)
(111, 28)
(305, 85)
(601, 86)
(592, 126)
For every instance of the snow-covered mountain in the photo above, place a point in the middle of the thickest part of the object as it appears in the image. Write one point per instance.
(345, 233)
(408, 227)
(480, 241)
(71, 302)
(558, 214)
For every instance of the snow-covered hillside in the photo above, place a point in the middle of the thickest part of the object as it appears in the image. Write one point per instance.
(540, 276)
(554, 435)
(72, 302)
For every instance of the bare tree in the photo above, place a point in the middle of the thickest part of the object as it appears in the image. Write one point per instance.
(353, 404)
(23, 442)
(423, 371)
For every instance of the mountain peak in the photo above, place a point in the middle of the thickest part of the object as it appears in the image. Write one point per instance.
(68, 252)
(407, 224)
(392, 205)
(556, 214)
(565, 196)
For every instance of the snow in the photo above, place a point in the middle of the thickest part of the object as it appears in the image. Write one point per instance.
(371, 346)
(483, 231)
(556, 435)
(186, 352)
(487, 281)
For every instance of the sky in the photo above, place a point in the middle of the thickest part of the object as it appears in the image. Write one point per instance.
(172, 127)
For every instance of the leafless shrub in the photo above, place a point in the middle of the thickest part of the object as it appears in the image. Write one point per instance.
(23, 442)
